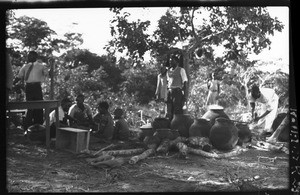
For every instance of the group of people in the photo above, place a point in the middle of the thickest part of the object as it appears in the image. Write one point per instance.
(171, 85)
(171, 88)
(103, 125)
(77, 115)
(172, 82)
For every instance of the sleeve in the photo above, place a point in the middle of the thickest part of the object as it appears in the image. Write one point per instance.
(97, 118)
(89, 111)
(183, 75)
(21, 73)
(72, 111)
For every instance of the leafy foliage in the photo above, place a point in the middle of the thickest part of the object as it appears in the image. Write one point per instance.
(130, 82)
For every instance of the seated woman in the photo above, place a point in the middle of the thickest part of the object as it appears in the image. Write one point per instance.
(121, 131)
(82, 113)
(104, 121)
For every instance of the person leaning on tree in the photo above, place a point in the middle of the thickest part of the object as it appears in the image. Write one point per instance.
(34, 73)
(177, 81)
(269, 100)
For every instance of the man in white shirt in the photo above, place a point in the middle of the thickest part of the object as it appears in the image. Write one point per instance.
(33, 73)
(177, 81)
(269, 100)
(62, 114)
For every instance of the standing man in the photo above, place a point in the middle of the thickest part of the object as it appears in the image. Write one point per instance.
(177, 81)
(33, 73)
(269, 100)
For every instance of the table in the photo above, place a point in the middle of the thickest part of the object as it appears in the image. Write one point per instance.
(40, 104)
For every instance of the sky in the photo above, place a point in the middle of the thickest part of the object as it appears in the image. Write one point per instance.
(94, 23)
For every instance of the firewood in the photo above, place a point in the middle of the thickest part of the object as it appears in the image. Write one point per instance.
(236, 151)
(183, 149)
(178, 139)
(202, 142)
(117, 162)
(145, 154)
(122, 152)
(100, 158)
(109, 146)
(268, 146)
(164, 146)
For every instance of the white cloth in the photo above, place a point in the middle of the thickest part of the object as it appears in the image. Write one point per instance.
(52, 117)
(269, 100)
(170, 79)
(37, 74)
(161, 87)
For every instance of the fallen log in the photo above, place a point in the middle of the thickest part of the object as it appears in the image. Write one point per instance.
(268, 146)
(145, 154)
(116, 162)
(201, 142)
(100, 158)
(178, 139)
(109, 146)
(122, 152)
(164, 146)
(183, 149)
(236, 151)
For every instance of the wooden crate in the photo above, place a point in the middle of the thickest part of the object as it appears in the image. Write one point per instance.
(72, 139)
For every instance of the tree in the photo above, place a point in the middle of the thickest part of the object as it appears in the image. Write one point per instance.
(237, 30)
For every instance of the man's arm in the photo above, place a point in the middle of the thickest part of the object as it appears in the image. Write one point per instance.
(262, 116)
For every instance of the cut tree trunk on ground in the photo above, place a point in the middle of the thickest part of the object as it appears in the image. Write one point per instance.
(145, 154)
(116, 162)
(183, 149)
(202, 142)
(122, 152)
(164, 146)
(99, 159)
(236, 151)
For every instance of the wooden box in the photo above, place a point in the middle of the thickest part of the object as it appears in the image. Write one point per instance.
(72, 139)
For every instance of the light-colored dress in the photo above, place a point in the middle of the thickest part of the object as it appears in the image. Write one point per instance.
(212, 93)
(161, 87)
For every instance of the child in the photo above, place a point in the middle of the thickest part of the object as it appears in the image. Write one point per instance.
(121, 131)
(105, 122)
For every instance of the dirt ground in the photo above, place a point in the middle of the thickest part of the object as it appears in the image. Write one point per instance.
(30, 167)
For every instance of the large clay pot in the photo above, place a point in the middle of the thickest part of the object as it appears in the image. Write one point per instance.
(200, 127)
(244, 133)
(160, 123)
(223, 134)
(182, 123)
(213, 112)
